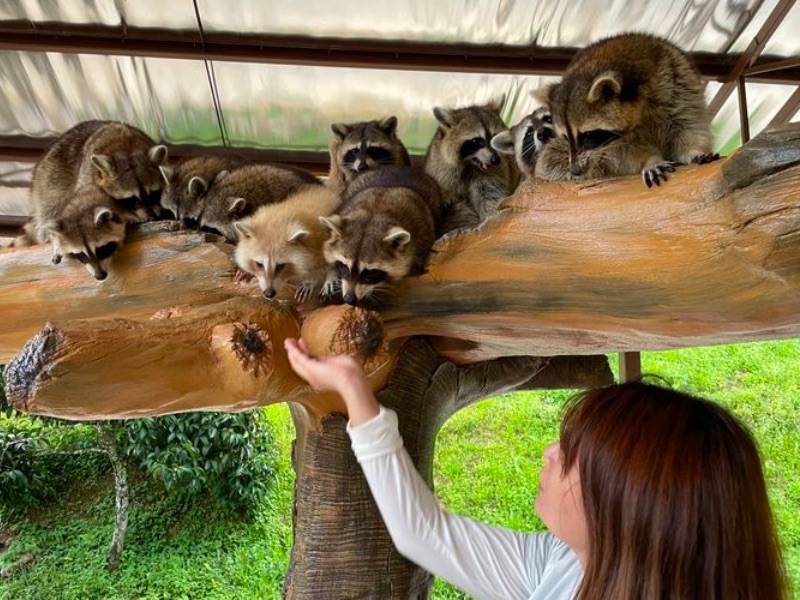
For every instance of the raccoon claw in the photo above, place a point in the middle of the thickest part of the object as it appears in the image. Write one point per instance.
(702, 159)
(303, 293)
(654, 175)
(56, 259)
(241, 276)
(329, 290)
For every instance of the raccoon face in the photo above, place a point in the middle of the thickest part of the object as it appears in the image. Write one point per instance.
(554, 163)
(184, 195)
(91, 237)
(526, 139)
(593, 115)
(276, 263)
(219, 215)
(133, 180)
(366, 255)
(467, 134)
(368, 145)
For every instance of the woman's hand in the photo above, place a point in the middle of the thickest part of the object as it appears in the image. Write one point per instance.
(342, 374)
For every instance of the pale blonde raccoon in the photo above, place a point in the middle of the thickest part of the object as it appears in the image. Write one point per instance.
(281, 244)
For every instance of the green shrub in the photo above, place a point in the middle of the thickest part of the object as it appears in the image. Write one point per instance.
(228, 455)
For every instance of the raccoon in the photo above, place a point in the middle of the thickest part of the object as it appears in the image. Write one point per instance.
(464, 164)
(281, 244)
(238, 193)
(383, 231)
(88, 226)
(119, 159)
(629, 104)
(357, 147)
(187, 183)
(526, 139)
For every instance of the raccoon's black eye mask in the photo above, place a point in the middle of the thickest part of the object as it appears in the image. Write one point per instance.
(350, 155)
(378, 154)
(79, 256)
(342, 270)
(372, 276)
(470, 147)
(589, 140)
(107, 250)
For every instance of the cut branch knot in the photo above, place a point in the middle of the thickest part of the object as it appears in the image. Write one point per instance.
(252, 347)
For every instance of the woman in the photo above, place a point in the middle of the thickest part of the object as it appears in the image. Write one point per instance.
(649, 495)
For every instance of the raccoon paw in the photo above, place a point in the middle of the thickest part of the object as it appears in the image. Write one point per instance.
(702, 159)
(330, 289)
(303, 293)
(56, 259)
(653, 175)
(240, 276)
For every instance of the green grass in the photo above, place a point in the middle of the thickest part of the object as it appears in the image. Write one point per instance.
(487, 462)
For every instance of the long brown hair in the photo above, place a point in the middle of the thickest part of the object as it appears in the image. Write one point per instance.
(674, 496)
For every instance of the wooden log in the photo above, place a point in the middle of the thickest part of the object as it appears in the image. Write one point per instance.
(710, 257)
(226, 357)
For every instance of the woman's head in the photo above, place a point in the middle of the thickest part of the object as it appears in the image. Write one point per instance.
(672, 496)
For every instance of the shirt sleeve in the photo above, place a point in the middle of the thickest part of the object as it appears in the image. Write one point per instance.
(482, 560)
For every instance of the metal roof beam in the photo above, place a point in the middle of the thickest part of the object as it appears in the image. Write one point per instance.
(753, 51)
(330, 52)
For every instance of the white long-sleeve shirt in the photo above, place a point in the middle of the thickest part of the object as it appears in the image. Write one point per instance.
(484, 561)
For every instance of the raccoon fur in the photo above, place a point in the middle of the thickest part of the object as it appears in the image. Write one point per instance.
(88, 226)
(462, 161)
(187, 182)
(119, 159)
(383, 231)
(235, 194)
(629, 104)
(281, 244)
(358, 147)
(526, 139)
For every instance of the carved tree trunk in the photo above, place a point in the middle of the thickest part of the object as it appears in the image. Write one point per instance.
(341, 547)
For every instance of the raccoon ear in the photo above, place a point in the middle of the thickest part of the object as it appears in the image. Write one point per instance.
(444, 116)
(197, 186)
(340, 130)
(104, 164)
(102, 215)
(503, 142)
(166, 173)
(605, 86)
(221, 175)
(243, 229)
(397, 237)
(388, 125)
(497, 104)
(298, 236)
(236, 205)
(334, 223)
(157, 154)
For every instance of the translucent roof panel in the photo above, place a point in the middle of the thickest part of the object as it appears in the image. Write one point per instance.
(175, 14)
(294, 107)
(784, 41)
(43, 94)
(708, 26)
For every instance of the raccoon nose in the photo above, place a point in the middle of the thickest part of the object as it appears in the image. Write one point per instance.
(191, 223)
(362, 165)
(270, 293)
(576, 169)
(100, 275)
(350, 298)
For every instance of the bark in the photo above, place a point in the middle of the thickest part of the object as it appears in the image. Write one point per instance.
(341, 547)
(120, 496)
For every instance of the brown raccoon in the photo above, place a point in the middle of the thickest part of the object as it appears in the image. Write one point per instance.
(118, 158)
(358, 147)
(281, 244)
(240, 192)
(462, 161)
(186, 183)
(383, 231)
(628, 104)
(88, 226)
(526, 139)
